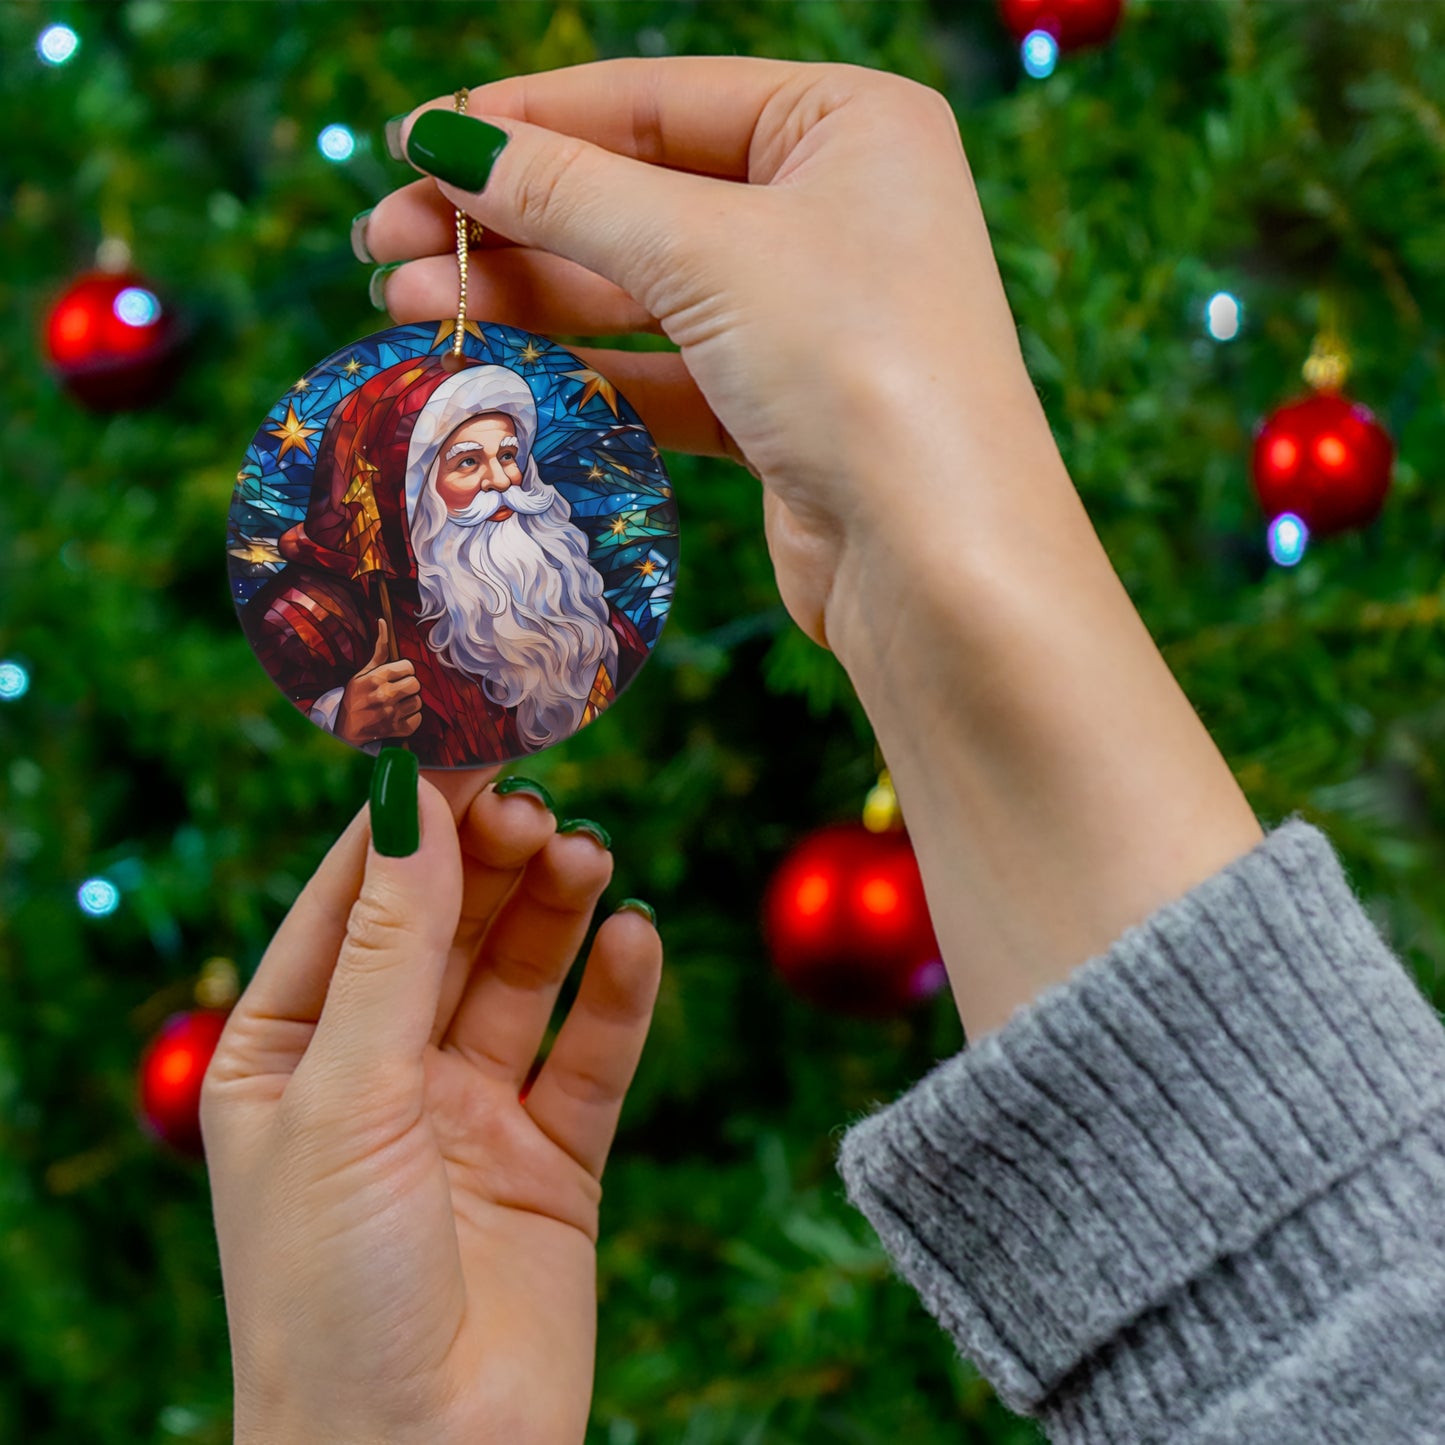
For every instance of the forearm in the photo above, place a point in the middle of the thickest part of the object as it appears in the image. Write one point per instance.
(1056, 782)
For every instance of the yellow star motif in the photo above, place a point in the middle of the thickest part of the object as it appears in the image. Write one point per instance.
(596, 474)
(647, 568)
(446, 328)
(352, 367)
(256, 549)
(293, 434)
(302, 385)
(530, 352)
(594, 384)
(619, 526)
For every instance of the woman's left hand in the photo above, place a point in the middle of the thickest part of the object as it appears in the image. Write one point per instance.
(407, 1244)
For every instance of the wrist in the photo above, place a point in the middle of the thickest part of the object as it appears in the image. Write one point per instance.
(959, 516)
(1057, 784)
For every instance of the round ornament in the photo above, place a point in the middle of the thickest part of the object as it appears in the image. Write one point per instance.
(172, 1070)
(1073, 23)
(467, 550)
(1325, 459)
(847, 923)
(111, 340)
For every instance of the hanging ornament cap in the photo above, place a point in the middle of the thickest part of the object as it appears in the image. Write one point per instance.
(881, 812)
(113, 254)
(219, 984)
(1328, 366)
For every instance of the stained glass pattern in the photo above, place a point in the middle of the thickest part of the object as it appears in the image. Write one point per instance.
(590, 445)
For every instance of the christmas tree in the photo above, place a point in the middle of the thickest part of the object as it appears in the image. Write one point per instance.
(162, 802)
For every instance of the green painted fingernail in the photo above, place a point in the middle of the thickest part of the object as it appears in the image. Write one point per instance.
(395, 824)
(359, 248)
(455, 148)
(586, 825)
(525, 785)
(636, 905)
(376, 289)
(392, 132)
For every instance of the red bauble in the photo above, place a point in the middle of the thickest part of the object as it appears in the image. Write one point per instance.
(171, 1071)
(1073, 23)
(112, 341)
(847, 923)
(1324, 458)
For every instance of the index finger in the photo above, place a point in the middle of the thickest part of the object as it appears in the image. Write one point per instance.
(696, 113)
(394, 671)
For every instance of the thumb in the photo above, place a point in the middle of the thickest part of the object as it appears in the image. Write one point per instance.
(382, 1000)
(628, 221)
(378, 653)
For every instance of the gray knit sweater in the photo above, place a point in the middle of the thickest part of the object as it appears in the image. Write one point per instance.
(1197, 1191)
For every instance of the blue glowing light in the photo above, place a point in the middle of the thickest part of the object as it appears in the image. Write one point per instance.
(336, 143)
(1040, 52)
(1223, 316)
(57, 44)
(137, 307)
(98, 897)
(1288, 538)
(14, 681)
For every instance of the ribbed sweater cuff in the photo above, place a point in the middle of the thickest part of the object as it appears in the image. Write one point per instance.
(1144, 1165)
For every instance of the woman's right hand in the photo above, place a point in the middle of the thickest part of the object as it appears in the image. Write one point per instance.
(842, 326)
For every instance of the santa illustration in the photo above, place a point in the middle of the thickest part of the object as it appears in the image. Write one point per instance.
(438, 594)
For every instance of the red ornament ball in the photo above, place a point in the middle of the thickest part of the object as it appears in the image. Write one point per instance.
(1073, 23)
(171, 1071)
(112, 341)
(847, 923)
(1324, 458)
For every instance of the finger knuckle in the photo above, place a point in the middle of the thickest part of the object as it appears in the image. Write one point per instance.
(543, 187)
(589, 1085)
(923, 103)
(375, 933)
(521, 970)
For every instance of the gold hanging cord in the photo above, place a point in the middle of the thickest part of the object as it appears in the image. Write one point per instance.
(460, 101)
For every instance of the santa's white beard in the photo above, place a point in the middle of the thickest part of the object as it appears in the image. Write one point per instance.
(516, 604)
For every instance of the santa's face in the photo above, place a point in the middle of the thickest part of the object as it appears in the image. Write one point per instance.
(480, 455)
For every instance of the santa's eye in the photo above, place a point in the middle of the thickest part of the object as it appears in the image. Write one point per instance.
(509, 455)
(466, 462)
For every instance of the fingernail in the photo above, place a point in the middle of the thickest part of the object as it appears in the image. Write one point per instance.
(512, 785)
(586, 825)
(392, 131)
(636, 905)
(359, 248)
(376, 288)
(395, 824)
(455, 148)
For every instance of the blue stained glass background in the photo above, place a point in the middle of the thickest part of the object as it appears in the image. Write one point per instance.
(604, 462)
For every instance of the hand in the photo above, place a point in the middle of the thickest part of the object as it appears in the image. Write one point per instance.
(407, 1246)
(383, 700)
(810, 237)
(845, 297)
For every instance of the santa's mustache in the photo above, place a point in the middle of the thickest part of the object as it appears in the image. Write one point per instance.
(519, 497)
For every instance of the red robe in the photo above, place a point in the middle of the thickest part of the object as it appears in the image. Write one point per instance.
(314, 630)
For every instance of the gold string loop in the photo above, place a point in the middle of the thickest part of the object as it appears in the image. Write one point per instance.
(468, 232)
